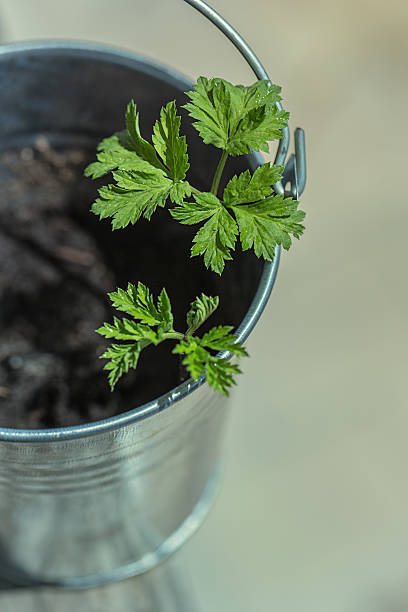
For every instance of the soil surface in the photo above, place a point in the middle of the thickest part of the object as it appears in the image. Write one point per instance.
(57, 263)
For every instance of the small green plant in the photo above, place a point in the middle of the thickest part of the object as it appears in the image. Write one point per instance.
(235, 119)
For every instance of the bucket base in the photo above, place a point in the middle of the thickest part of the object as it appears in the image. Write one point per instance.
(146, 563)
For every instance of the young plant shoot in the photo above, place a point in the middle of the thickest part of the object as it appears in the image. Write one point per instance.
(236, 119)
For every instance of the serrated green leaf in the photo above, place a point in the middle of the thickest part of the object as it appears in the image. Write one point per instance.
(143, 182)
(189, 213)
(217, 236)
(220, 374)
(113, 154)
(164, 311)
(134, 196)
(260, 93)
(244, 188)
(121, 357)
(136, 302)
(146, 310)
(179, 191)
(143, 148)
(126, 329)
(215, 240)
(210, 104)
(125, 150)
(116, 152)
(220, 333)
(194, 365)
(256, 128)
(234, 117)
(257, 119)
(200, 309)
(195, 356)
(199, 361)
(171, 147)
(267, 223)
(220, 339)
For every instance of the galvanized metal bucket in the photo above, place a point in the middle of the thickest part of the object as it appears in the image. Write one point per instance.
(103, 501)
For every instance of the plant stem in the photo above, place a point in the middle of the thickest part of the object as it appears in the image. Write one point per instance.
(173, 335)
(218, 173)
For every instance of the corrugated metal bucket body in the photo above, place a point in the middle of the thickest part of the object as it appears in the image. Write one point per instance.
(100, 502)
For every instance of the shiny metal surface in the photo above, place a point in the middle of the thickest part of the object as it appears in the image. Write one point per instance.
(89, 510)
(165, 588)
(100, 502)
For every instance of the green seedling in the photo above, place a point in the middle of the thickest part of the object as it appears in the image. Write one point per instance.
(148, 175)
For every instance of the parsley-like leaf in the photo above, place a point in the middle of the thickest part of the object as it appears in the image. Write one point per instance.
(263, 222)
(143, 182)
(126, 150)
(220, 374)
(211, 106)
(267, 223)
(117, 152)
(136, 194)
(234, 117)
(121, 357)
(196, 356)
(244, 188)
(164, 311)
(143, 148)
(156, 323)
(126, 329)
(217, 236)
(220, 339)
(199, 361)
(152, 323)
(171, 147)
(138, 303)
(201, 308)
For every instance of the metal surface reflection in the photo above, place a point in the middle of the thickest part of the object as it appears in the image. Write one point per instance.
(164, 589)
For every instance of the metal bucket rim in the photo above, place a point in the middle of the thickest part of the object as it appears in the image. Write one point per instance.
(125, 57)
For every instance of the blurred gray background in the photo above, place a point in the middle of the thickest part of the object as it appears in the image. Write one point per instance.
(313, 510)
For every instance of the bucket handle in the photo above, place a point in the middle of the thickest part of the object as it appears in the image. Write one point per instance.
(295, 170)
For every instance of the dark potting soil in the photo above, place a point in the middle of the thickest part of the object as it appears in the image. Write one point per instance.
(57, 263)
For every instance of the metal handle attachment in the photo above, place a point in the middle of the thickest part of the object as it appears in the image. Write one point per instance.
(295, 169)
